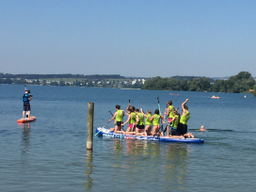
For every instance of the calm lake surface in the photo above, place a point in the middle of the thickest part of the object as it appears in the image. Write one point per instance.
(50, 154)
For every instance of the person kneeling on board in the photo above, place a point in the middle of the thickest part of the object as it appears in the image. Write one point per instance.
(131, 120)
(148, 123)
(26, 105)
(155, 119)
(174, 121)
(139, 123)
(118, 116)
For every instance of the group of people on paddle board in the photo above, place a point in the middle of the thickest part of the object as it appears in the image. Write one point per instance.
(141, 123)
(26, 105)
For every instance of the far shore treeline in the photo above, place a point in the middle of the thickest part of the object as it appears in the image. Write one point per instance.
(240, 83)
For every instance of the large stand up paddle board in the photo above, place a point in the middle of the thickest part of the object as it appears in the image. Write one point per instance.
(102, 132)
(31, 118)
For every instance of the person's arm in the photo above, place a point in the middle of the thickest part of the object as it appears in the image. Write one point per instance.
(182, 105)
(173, 119)
(137, 119)
(126, 113)
(167, 111)
(128, 107)
(142, 112)
(113, 117)
(152, 117)
(30, 97)
(129, 117)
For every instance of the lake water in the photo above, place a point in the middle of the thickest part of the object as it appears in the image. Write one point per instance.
(50, 154)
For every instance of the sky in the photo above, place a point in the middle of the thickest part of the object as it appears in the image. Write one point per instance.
(138, 38)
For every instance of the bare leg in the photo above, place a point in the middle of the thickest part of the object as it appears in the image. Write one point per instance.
(28, 114)
(168, 130)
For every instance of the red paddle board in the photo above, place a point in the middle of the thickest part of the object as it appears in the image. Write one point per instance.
(31, 118)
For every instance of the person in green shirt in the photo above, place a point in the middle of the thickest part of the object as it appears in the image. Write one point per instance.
(155, 119)
(118, 116)
(173, 124)
(185, 115)
(140, 126)
(132, 121)
(148, 123)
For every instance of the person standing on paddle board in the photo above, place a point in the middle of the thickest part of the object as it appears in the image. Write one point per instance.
(26, 105)
(185, 115)
(139, 123)
(118, 116)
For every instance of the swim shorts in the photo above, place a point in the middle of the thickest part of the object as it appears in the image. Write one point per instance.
(26, 107)
(182, 129)
(140, 126)
(118, 123)
(132, 127)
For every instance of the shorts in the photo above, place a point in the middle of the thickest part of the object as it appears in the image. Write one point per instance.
(182, 129)
(26, 107)
(174, 131)
(119, 123)
(131, 126)
(140, 126)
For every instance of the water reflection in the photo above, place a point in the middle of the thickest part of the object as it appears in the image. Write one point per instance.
(25, 142)
(89, 166)
(156, 163)
(176, 165)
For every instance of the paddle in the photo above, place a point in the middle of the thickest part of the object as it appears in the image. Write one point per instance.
(161, 127)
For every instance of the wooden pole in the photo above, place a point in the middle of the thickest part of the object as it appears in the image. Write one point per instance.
(90, 114)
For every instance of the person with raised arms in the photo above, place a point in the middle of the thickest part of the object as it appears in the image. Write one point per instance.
(131, 119)
(185, 115)
(156, 122)
(26, 106)
(148, 123)
(139, 123)
(118, 116)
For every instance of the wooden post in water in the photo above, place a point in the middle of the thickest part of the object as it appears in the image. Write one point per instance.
(90, 114)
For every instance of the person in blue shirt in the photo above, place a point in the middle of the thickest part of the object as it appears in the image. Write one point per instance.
(26, 106)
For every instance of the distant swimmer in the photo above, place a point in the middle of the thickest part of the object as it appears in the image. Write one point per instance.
(202, 128)
(214, 97)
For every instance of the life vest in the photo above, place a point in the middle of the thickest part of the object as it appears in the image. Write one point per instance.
(141, 119)
(171, 109)
(25, 98)
(175, 122)
(147, 121)
(156, 120)
(119, 116)
(184, 118)
(133, 118)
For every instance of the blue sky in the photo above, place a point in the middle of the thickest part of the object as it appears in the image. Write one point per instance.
(213, 38)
